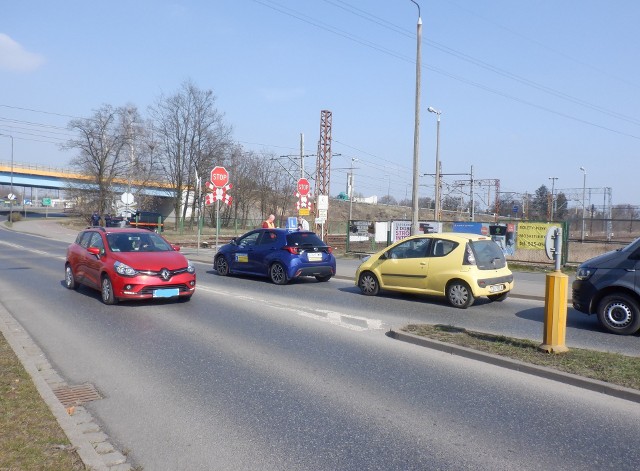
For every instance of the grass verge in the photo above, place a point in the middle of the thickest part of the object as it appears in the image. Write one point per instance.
(30, 437)
(609, 367)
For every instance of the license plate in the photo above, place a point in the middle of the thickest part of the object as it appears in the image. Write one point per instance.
(166, 293)
(314, 256)
(496, 288)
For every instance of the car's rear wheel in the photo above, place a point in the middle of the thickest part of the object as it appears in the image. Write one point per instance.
(459, 294)
(368, 284)
(619, 313)
(498, 297)
(107, 291)
(278, 274)
(222, 267)
(323, 277)
(69, 278)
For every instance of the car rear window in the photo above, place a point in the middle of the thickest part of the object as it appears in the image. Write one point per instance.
(488, 254)
(299, 239)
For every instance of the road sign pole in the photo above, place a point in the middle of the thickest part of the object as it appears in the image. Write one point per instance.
(217, 222)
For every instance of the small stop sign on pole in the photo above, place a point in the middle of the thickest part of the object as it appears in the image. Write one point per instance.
(219, 177)
(303, 186)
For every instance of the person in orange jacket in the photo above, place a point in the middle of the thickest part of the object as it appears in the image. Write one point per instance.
(268, 224)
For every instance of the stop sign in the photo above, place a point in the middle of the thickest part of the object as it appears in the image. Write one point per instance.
(303, 186)
(219, 177)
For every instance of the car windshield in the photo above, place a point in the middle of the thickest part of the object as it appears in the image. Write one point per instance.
(301, 239)
(137, 242)
(488, 254)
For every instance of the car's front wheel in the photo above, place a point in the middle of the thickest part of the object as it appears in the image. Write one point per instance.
(69, 278)
(459, 294)
(221, 266)
(107, 291)
(368, 284)
(278, 274)
(619, 313)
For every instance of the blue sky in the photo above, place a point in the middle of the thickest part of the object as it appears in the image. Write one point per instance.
(528, 89)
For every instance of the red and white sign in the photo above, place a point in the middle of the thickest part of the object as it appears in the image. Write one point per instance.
(218, 194)
(219, 177)
(303, 186)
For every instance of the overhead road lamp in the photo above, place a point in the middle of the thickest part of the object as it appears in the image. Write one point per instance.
(437, 193)
(416, 131)
(11, 195)
(584, 187)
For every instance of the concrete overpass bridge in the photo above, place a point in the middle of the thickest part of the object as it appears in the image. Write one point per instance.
(36, 181)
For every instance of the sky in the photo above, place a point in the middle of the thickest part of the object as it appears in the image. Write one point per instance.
(529, 91)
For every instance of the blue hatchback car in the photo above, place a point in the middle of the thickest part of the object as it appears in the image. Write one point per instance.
(279, 254)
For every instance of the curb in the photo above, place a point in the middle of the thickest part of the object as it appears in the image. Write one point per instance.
(516, 365)
(37, 366)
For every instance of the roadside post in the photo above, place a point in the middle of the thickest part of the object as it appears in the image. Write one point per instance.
(220, 186)
(555, 299)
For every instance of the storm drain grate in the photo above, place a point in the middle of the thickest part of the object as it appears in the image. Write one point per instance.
(76, 395)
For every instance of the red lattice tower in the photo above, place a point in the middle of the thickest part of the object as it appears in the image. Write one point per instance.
(323, 162)
(323, 168)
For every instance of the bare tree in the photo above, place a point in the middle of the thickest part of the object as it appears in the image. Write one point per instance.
(100, 143)
(192, 136)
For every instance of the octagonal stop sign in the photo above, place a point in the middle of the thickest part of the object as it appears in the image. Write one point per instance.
(303, 186)
(219, 177)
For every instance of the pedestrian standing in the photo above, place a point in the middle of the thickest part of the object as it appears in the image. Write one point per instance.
(95, 219)
(268, 224)
(303, 224)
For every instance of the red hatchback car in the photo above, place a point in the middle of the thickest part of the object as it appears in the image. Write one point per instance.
(128, 264)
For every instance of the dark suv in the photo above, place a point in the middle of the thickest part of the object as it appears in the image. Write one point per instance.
(609, 285)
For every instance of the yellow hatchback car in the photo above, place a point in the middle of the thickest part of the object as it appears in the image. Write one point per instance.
(461, 267)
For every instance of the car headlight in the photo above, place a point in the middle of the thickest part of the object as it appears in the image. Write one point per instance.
(124, 270)
(190, 267)
(584, 273)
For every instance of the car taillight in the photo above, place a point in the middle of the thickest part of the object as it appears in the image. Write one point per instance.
(293, 250)
(329, 249)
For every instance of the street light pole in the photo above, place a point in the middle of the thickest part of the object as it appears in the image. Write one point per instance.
(553, 198)
(584, 187)
(437, 193)
(11, 190)
(353, 159)
(416, 131)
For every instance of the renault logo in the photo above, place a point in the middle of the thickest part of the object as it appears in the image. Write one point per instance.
(165, 274)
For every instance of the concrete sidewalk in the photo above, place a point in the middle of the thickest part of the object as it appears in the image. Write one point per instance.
(528, 285)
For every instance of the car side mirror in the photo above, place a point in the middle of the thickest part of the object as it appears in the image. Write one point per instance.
(384, 256)
(175, 247)
(95, 251)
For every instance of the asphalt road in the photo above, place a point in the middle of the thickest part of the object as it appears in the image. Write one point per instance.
(252, 376)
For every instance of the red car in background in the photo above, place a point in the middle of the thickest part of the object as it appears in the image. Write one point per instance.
(128, 264)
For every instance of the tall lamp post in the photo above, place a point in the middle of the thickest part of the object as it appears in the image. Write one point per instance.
(584, 187)
(437, 193)
(11, 190)
(553, 197)
(353, 159)
(416, 131)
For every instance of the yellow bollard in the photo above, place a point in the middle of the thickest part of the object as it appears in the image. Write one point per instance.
(555, 313)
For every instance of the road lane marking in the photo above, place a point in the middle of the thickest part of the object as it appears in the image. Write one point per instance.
(337, 318)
